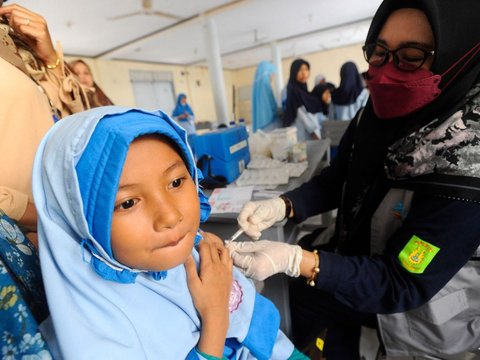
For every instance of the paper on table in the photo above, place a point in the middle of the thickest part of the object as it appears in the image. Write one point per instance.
(296, 169)
(229, 200)
(263, 162)
(273, 176)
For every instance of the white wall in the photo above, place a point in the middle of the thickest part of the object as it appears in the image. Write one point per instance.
(113, 78)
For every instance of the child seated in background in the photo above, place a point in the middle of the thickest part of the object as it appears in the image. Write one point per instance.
(119, 213)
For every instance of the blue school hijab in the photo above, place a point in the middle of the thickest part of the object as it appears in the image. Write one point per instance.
(264, 106)
(181, 108)
(100, 308)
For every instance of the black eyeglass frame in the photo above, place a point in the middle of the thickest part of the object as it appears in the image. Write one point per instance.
(396, 60)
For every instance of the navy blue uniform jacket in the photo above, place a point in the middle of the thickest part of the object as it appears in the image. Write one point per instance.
(379, 283)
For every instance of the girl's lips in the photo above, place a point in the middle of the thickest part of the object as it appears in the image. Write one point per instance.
(176, 242)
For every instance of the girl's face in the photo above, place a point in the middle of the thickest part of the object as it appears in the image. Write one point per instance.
(183, 100)
(83, 73)
(303, 74)
(157, 211)
(326, 96)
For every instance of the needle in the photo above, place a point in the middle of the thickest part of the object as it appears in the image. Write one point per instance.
(236, 235)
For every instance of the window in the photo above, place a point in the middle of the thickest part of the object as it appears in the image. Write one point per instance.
(153, 90)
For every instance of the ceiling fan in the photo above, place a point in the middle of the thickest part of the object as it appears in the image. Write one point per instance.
(146, 10)
(258, 39)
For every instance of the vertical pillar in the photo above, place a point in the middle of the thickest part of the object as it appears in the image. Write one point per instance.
(215, 70)
(277, 61)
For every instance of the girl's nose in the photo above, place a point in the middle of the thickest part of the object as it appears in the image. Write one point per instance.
(166, 215)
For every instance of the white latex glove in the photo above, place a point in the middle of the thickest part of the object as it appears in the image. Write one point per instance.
(257, 216)
(262, 259)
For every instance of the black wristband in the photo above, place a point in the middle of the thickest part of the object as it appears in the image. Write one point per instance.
(288, 206)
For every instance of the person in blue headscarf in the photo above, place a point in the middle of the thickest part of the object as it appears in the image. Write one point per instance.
(350, 96)
(183, 114)
(127, 272)
(264, 106)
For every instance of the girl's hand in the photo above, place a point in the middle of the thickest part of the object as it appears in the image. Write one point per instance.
(210, 290)
(34, 29)
(214, 239)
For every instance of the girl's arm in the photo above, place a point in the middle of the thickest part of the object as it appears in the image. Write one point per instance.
(210, 290)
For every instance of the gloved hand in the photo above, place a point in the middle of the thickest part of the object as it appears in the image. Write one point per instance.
(257, 216)
(262, 259)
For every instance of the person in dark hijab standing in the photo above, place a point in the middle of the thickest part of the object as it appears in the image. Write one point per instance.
(406, 183)
(301, 106)
(350, 96)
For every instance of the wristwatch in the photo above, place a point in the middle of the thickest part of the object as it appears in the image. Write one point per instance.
(288, 206)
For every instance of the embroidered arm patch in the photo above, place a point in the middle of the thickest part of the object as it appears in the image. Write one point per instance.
(417, 255)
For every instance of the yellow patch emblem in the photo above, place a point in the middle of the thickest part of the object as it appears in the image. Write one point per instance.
(417, 255)
(319, 344)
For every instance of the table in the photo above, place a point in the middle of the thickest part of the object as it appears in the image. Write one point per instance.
(224, 225)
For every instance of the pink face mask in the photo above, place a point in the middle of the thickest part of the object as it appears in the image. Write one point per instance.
(398, 93)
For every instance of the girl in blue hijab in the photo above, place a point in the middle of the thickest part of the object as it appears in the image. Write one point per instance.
(264, 106)
(183, 114)
(126, 272)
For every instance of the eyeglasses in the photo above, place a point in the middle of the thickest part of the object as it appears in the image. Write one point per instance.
(405, 58)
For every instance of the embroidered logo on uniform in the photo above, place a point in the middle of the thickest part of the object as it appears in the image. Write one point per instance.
(399, 211)
(417, 255)
(236, 295)
(319, 344)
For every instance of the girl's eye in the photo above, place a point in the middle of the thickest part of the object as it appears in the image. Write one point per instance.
(127, 204)
(177, 182)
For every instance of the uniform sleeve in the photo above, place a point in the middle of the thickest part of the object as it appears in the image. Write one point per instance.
(204, 356)
(65, 91)
(441, 234)
(13, 202)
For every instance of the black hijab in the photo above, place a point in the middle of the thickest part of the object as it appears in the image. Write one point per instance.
(456, 31)
(298, 95)
(351, 85)
(318, 91)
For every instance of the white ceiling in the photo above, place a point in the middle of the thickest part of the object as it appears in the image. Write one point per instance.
(246, 28)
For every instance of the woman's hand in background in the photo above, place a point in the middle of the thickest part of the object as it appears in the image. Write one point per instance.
(34, 29)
